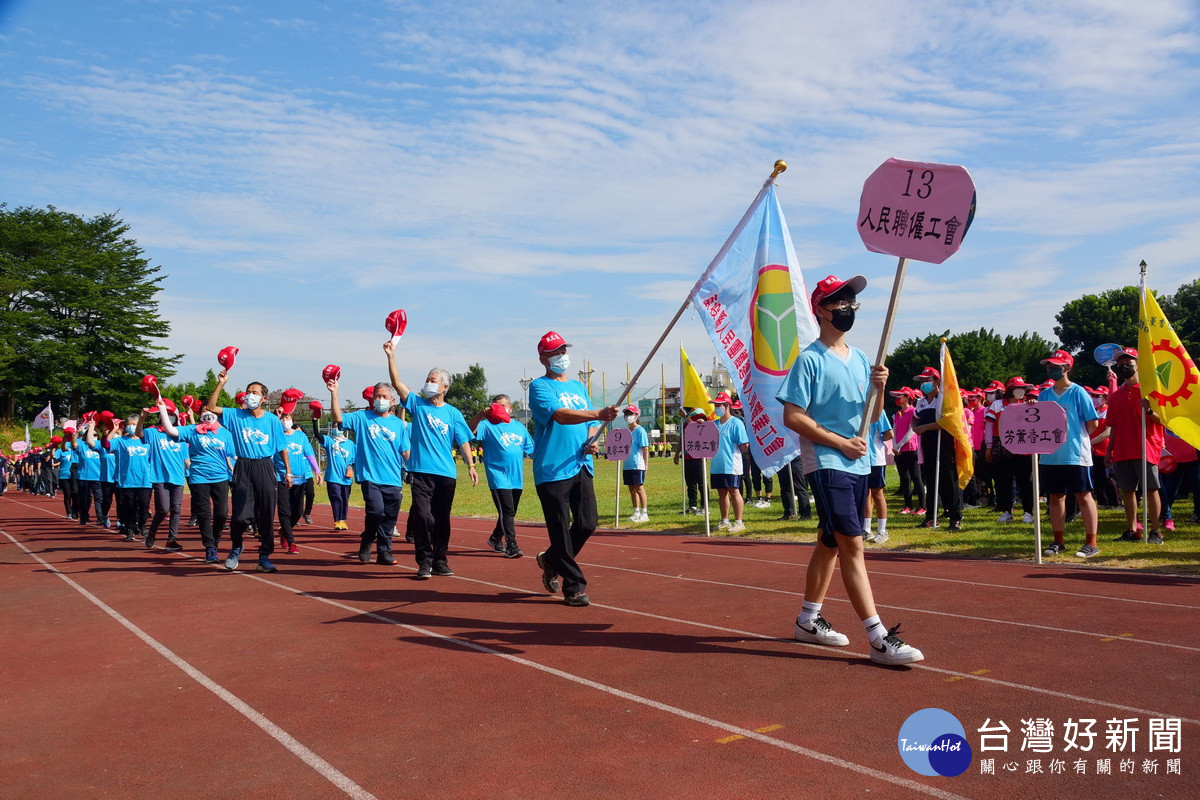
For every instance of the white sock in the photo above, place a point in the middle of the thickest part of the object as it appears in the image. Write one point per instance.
(724, 519)
(867, 524)
(808, 612)
(883, 524)
(874, 628)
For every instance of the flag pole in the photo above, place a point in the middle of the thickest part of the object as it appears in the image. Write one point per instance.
(873, 394)
(1145, 461)
(937, 475)
(780, 166)
(1037, 517)
(704, 491)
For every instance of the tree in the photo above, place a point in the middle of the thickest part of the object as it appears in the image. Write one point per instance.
(468, 391)
(979, 357)
(201, 391)
(1183, 310)
(1093, 320)
(77, 312)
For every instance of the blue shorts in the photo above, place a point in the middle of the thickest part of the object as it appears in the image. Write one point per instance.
(1064, 479)
(633, 477)
(721, 481)
(840, 498)
(877, 479)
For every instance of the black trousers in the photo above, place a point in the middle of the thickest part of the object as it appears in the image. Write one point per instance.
(382, 509)
(793, 487)
(432, 499)
(1007, 468)
(569, 507)
(133, 506)
(289, 501)
(912, 488)
(108, 491)
(948, 493)
(310, 495)
(254, 494)
(210, 507)
(168, 501)
(70, 488)
(506, 501)
(339, 499)
(90, 496)
(693, 476)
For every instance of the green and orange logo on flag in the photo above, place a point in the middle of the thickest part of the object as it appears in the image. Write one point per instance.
(773, 321)
(1168, 375)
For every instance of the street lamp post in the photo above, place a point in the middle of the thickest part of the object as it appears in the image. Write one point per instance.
(525, 388)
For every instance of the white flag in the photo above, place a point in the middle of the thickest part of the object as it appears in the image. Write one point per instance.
(45, 419)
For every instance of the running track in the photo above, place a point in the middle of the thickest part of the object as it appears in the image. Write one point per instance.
(130, 673)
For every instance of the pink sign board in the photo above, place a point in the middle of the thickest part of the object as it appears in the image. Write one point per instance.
(700, 439)
(1028, 428)
(618, 444)
(20, 447)
(917, 210)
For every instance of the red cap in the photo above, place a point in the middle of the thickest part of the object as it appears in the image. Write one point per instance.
(903, 391)
(1033, 392)
(88, 416)
(396, 322)
(226, 356)
(69, 431)
(551, 342)
(1099, 391)
(288, 400)
(498, 414)
(722, 399)
(929, 372)
(736, 405)
(631, 409)
(150, 384)
(833, 284)
(1060, 358)
(1046, 384)
(315, 409)
(239, 398)
(1126, 351)
(197, 405)
(56, 440)
(332, 372)
(188, 401)
(166, 402)
(1017, 382)
(368, 393)
(994, 386)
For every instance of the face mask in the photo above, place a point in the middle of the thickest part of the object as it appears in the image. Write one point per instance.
(382, 404)
(1098, 402)
(991, 397)
(1125, 371)
(926, 387)
(720, 411)
(430, 389)
(1018, 394)
(287, 424)
(630, 418)
(252, 401)
(208, 417)
(560, 364)
(1055, 373)
(842, 319)
(131, 429)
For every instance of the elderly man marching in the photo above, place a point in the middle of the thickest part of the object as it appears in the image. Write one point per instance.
(562, 467)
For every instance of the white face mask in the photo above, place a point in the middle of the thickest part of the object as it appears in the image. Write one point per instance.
(1097, 402)
(631, 418)
(560, 364)
(382, 404)
(1018, 394)
(252, 401)
(430, 389)
(720, 411)
(287, 424)
(208, 416)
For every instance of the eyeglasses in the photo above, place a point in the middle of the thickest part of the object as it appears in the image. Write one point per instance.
(841, 305)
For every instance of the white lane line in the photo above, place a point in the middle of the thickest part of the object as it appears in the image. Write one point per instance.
(327, 770)
(813, 647)
(816, 648)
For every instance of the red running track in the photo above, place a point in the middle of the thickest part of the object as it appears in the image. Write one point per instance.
(141, 673)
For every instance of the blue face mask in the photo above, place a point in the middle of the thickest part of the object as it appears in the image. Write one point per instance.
(560, 364)
(926, 387)
(719, 411)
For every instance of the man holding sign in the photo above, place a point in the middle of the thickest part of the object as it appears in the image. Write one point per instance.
(562, 467)
(824, 397)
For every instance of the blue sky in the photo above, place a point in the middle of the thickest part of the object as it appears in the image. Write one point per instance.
(499, 169)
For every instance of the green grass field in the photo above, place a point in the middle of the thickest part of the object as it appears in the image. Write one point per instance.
(982, 536)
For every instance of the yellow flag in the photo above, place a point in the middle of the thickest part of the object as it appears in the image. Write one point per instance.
(694, 393)
(1169, 378)
(950, 418)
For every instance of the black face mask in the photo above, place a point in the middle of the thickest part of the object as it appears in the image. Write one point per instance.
(1125, 371)
(1055, 373)
(842, 319)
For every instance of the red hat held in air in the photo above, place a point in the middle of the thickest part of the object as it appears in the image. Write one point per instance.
(288, 400)
(332, 372)
(227, 356)
(315, 409)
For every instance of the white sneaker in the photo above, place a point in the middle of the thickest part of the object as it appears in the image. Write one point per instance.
(880, 537)
(1027, 519)
(635, 517)
(1006, 517)
(723, 525)
(693, 510)
(820, 632)
(870, 538)
(645, 517)
(762, 504)
(737, 525)
(891, 650)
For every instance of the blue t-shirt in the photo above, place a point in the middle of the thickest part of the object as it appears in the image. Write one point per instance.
(133, 462)
(108, 465)
(875, 433)
(1077, 449)
(833, 391)
(557, 448)
(436, 431)
(298, 449)
(209, 454)
(166, 457)
(90, 460)
(728, 459)
(339, 457)
(253, 437)
(65, 458)
(640, 439)
(379, 444)
(505, 445)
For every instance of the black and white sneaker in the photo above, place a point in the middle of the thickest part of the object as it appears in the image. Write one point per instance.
(818, 631)
(424, 571)
(1054, 549)
(549, 576)
(891, 650)
(496, 542)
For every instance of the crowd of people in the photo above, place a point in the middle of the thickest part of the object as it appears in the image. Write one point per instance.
(253, 470)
